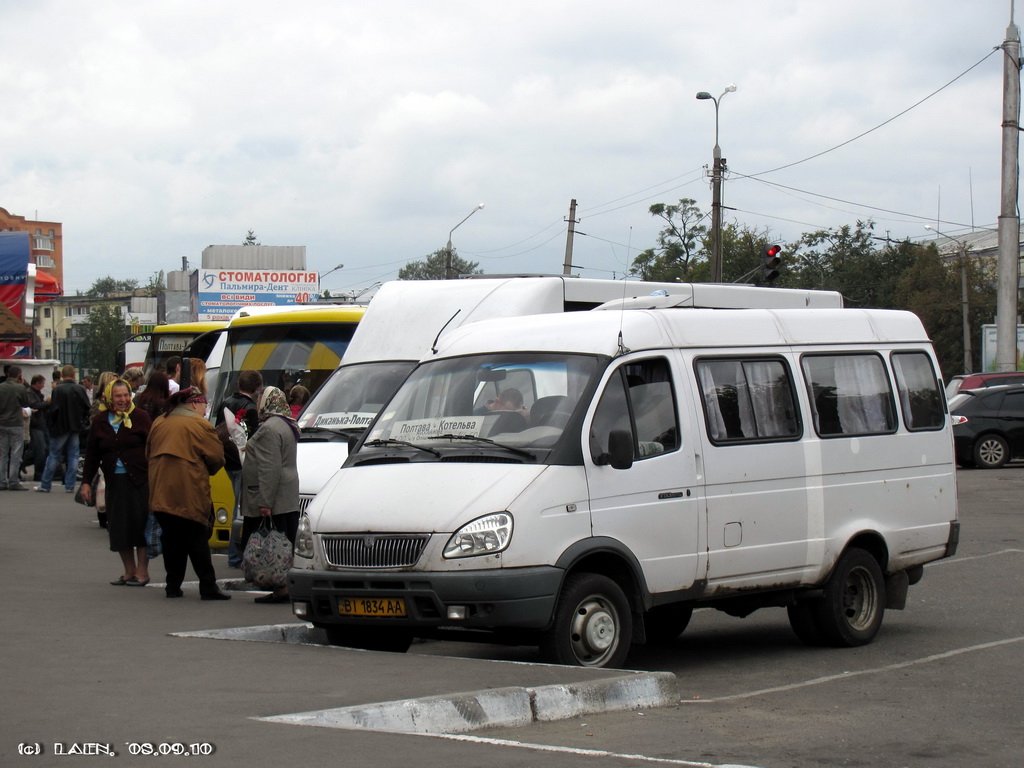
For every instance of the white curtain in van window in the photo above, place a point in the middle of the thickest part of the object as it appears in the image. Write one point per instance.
(716, 422)
(861, 387)
(772, 418)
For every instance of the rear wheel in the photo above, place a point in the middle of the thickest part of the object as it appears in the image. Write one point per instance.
(850, 611)
(593, 625)
(991, 452)
(370, 639)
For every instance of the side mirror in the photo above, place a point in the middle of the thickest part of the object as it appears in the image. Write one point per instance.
(620, 449)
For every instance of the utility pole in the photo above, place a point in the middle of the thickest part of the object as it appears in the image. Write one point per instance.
(1009, 221)
(718, 171)
(567, 266)
(716, 216)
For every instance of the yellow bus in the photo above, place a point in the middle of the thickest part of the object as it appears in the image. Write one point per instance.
(288, 345)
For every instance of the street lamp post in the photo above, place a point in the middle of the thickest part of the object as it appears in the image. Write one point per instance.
(448, 248)
(329, 271)
(716, 191)
(964, 305)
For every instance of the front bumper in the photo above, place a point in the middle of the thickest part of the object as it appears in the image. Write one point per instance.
(520, 598)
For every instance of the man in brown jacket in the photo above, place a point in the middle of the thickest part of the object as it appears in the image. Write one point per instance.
(183, 451)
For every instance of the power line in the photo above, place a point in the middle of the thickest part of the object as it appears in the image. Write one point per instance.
(880, 125)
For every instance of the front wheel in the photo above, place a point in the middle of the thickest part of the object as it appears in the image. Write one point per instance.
(370, 639)
(991, 452)
(593, 625)
(849, 612)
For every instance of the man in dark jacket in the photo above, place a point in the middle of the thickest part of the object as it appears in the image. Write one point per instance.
(242, 404)
(13, 398)
(69, 407)
(39, 435)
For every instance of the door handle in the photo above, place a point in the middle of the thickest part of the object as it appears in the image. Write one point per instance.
(671, 494)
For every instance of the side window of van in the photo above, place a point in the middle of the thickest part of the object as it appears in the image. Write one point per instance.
(850, 395)
(921, 399)
(748, 400)
(639, 400)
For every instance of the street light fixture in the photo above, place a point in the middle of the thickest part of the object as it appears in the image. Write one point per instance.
(964, 306)
(329, 271)
(716, 191)
(448, 248)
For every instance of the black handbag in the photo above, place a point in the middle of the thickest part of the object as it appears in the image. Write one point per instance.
(79, 499)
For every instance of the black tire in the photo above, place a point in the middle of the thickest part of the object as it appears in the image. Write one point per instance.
(850, 611)
(991, 452)
(370, 638)
(665, 623)
(802, 620)
(593, 625)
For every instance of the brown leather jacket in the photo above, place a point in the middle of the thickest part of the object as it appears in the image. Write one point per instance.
(183, 451)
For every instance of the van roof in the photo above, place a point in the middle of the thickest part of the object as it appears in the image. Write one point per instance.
(405, 317)
(598, 332)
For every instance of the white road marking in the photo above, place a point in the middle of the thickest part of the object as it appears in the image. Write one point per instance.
(847, 675)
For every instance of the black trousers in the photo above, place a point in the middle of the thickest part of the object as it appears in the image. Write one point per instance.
(185, 540)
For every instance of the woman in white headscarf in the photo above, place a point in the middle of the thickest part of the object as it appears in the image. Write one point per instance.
(270, 476)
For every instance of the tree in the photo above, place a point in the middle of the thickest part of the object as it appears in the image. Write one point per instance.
(434, 267)
(102, 333)
(681, 245)
(930, 288)
(250, 239)
(156, 284)
(109, 286)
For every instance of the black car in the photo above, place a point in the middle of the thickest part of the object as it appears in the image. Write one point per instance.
(988, 425)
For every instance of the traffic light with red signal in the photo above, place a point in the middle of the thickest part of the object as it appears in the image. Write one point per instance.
(771, 256)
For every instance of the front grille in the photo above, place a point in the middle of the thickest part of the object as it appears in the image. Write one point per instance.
(369, 550)
(304, 501)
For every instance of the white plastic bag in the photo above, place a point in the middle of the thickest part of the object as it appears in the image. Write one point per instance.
(236, 433)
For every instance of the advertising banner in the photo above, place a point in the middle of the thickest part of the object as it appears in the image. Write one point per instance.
(224, 291)
(14, 258)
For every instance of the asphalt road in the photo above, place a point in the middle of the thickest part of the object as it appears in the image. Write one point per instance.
(88, 666)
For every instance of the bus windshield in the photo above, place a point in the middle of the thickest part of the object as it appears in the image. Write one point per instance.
(354, 395)
(285, 354)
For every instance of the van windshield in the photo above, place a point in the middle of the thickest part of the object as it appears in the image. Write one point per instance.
(352, 397)
(516, 401)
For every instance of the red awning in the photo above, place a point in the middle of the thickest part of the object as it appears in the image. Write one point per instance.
(47, 287)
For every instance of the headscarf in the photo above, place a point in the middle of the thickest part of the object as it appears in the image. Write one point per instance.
(107, 403)
(183, 396)
(274, 403)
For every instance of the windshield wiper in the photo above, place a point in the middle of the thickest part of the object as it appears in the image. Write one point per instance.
(520, 451)
(384, 443)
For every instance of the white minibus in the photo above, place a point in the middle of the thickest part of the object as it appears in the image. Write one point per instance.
(669, 459)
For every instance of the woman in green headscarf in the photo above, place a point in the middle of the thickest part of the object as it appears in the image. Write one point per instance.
(117, 445)
(270, 475)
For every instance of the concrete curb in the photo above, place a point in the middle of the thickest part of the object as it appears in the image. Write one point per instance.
(499, 707)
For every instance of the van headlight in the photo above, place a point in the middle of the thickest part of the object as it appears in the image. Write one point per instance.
(483, 536)
(222, 516)
(304, 538)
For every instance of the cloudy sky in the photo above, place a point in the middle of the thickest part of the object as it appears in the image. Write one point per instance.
(366, 131)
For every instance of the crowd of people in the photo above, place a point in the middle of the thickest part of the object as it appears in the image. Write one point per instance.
(149, 451)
